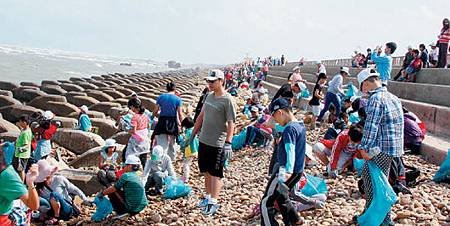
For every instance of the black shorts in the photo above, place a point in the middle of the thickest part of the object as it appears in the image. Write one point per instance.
(19, 164)
(211, 160)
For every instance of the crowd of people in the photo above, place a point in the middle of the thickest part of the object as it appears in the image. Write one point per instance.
(369, 124)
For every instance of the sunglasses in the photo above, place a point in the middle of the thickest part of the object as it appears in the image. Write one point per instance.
(211, 81)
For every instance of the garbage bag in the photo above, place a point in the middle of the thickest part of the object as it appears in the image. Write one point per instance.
(383, 198)
(354, 117)
(175, 188)
(352, 90)
(443, 174)
(305, 93)
(238, 141)
(103, 209)
(314, 185)
(358, 165)
(8, 150)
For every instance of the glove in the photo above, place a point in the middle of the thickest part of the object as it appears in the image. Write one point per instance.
(319, 204)
(228, 151)
(32, 174)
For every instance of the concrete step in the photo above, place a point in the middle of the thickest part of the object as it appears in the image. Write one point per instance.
(426, 93)
(434, 148)
(437, 76)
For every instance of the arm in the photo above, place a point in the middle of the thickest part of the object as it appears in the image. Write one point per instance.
(317, 95)
(379, 58)
(100, 162)
(180, 115)
(155, 111)
(230, 131)
(198, 123)
(31, 199)
(368, 142)
(170, 170)
(111, 189)
(72, 189)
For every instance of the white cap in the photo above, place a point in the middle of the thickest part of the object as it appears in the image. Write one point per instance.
(365, 74)
(295, 68)
(132, 160)
(157, 152)
(84, 108)
(48, 115)
(215, 74)
(433, 44)
(345, 69)
(110, 143)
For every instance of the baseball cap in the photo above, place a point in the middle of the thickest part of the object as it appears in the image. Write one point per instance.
(345, 69)
(280, 103)
(215, 74)
(365, 74)
(132, 160)
(433, 44)
(84, 108)
(295, 68)
(48, 115)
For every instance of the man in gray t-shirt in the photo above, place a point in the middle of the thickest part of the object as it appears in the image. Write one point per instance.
(216, 126)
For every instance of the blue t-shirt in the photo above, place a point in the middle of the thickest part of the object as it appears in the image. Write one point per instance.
(168, 104)
(294, 134)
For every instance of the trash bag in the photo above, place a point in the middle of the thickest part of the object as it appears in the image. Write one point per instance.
(305, 93)
(443, 174)
(103, 209)
(354, 117)
(352, 90)
(314, 185)
(238, 141)
(175, 188)
(383, 198)
(8, 150)
(358, 165)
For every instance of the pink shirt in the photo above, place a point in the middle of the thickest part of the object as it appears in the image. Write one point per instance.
(296, 77)
(140, 122)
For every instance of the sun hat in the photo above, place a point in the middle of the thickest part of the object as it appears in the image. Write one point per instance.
(45, 170)
(433, 44)
(365, 74)
(157, 153)
(48, 115)
(132, 160)
(346, 70)
(295, 68)
(110, 143)
(215, 74)
(84, 109)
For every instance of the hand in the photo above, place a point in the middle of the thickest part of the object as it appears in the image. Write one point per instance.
(87, 203)
(228, 151)
(32, 174)
(364, 155)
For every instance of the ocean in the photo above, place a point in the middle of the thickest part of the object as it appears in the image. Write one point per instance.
(19, 64)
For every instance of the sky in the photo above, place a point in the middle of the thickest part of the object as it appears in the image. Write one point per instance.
(220, 32)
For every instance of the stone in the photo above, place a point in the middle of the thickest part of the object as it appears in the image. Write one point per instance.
(66, 122)
(123, 90)
(60, 108)
(13, 112)
(148, 103)
(41, 102)
(85, 180)
(7, 101)
(121, 137)
(71, 87)
(114, 93)
(92, 114)
(9, 136)
(82, 100)
(26, 95)
(53, 89)
(75, 79)
(106, 127)
(77, 141)
(29, 84)
(99, 95)
(104, 107)
(6, 126)
(87, 85)
(6, 93)
(74, 93)
(49, 82)
(8, 85)
(156, 218)
(91, 157)
(99, 84)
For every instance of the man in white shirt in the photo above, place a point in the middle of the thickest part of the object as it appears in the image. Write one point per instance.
(433, 56)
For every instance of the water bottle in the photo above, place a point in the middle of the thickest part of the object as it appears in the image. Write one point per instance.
(281, 174)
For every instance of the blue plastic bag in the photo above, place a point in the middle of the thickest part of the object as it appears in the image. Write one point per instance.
(358, 165)
(238, 141)
(8, 150)
(354, 117)
(103, 209)
(443, 174)
(305, 94)
(383, 198)
(314, 185)
(175, 188)
(352, 90)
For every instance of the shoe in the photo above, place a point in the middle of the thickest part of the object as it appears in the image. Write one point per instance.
(211, 209)
(203, 203)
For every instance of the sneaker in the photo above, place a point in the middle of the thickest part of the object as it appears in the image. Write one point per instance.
(203, 203)
(211, 209)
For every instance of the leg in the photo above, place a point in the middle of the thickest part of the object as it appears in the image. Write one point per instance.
(102, 178)
(150, 182)
(170, 149)
(158, 178)
(187, 168)
(287, 210)
(326, 106)
(321, 152)
(162, 140)
(267, 202)
(336, 100)
(117, 201)
(61, 207)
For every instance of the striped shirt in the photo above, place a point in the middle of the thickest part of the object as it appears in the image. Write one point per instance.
(131, 185)
(383, 130)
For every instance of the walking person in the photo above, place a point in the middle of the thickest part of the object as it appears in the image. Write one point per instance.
(169, 120)
(334, 91)
(384, 61)
(444, 38)
(216, 126)
(139, 143)
(288, 168)
(382, 139)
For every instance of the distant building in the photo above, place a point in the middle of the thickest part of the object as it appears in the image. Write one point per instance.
(173, 64)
